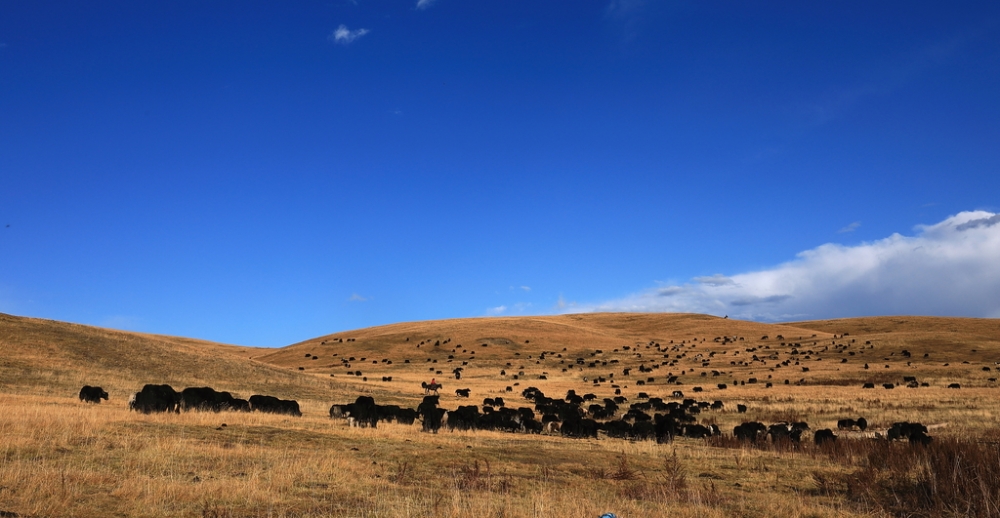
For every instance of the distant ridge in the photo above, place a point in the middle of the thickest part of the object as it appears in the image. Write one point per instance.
(62, 355)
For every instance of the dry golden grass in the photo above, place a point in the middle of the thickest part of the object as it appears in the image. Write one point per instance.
(61, 457)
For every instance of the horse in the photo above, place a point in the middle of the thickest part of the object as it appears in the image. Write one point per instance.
(430, 387)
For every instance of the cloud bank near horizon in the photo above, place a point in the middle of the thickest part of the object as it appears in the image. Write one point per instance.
(951, 268)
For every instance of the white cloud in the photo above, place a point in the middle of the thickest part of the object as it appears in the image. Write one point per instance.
(344, 35)
(358, 298)
(424, 4)
(850, 228)
(948, 268)
(499, 310)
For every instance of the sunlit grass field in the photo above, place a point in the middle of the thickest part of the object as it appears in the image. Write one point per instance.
(62, 457)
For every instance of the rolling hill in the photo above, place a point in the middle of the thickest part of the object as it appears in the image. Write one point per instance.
(49, 357)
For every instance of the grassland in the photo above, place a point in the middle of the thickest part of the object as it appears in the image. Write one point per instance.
(61, 457)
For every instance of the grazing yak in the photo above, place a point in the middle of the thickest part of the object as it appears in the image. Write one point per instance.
(849, 424)
(750, 431)
(824, 436)
(432, 417)
(90, 394)
(339, 411)
(787, 431)
(273, 405)
(363, 413)
(464, 418)
(698, 431)
(155, 398)
(914, 432)
(579, 428)
(207, 399)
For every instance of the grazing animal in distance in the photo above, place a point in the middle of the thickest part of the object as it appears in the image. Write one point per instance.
(849, 424)
(206, 398)
(364, 412)
(273, 405)
(914, 432)
(750, 431)
(824, 436)
(155, 398)
(90, 394)
(431, 416)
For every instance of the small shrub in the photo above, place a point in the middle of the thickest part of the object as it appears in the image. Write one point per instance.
(624, 471)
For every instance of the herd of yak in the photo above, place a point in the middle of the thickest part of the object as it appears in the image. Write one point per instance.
(163, 398)
(573, 416)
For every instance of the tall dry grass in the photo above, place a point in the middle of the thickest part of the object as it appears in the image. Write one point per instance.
(952, 476)
(64, 458)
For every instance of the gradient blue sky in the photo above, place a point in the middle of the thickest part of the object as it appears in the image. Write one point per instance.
(263, 172)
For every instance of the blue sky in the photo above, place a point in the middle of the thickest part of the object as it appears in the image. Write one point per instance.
(263, 172)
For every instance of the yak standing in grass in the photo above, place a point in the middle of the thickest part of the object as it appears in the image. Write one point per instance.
(750, 431)
(914, 432)
(90, 394)
(430, 415)
(155, 398)
(824, 436)
(207, 399)
(273, 405)
(363, 412)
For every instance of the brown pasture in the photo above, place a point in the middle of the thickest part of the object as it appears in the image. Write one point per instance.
(62, 457)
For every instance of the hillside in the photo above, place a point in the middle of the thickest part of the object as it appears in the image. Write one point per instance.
(498, 352)
(48, 357)
(56, 357)
(505, 336)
